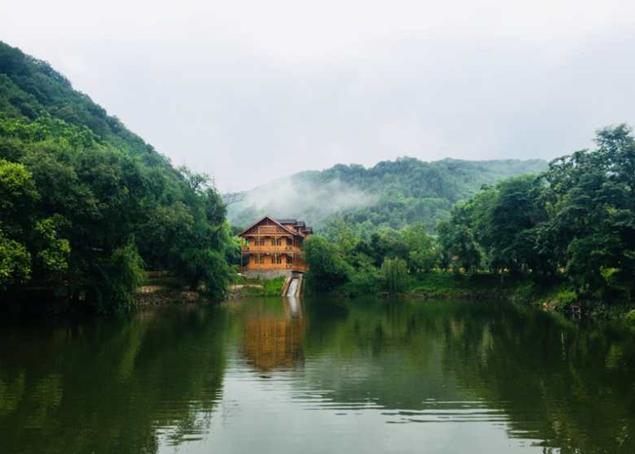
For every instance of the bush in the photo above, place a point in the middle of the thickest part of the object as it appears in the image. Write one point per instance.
(327, 269)
(364, 280)
(395, 275)
(15, 262)
(118, 278)
(563, 299)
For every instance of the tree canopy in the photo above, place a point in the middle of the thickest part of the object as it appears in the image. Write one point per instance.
(86, 205)
(577, 219)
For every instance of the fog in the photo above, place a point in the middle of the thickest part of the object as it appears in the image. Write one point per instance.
(252, 91)
(307, 199)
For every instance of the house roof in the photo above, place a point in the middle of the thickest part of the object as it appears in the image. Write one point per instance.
(287, 229)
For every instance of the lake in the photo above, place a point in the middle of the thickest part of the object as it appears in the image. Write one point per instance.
(318, 376)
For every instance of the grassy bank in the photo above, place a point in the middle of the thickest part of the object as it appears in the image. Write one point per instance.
(160, 288)
(257, 287)
(556, 296)
(447, 285)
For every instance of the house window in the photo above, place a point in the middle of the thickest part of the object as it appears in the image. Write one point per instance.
(278, 259)
(289, 259)
(262, 259)
(289, 241)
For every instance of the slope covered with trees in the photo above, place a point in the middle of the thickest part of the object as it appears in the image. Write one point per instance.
(86, 205)
(571, 227)
(389, 194)
(575, 220)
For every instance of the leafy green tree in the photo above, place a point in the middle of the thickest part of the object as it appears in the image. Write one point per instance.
(505, 217)
(15, 262)
(53, 252)
(422, 248)
(592, 214)
(459, 247)
(394, 272)
(117, 277)
(327, 269)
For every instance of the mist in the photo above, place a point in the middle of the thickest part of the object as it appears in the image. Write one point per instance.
(296, 197)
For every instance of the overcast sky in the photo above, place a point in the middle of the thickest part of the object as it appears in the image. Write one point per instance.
(248, 91)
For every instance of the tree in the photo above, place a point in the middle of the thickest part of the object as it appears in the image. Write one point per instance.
(422, 249)
(327, 269)
(394, 272)
(504, 217)
(458, 244)
(15, 263)
(592, 214)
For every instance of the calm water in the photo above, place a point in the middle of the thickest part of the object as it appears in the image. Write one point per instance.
(324, 376)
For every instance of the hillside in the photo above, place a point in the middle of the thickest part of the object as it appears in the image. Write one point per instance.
(391, 193)
(85, 204)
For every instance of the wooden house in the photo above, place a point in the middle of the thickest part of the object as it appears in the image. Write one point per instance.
(274, 245)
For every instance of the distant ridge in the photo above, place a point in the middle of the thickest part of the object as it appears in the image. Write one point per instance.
(388, 194)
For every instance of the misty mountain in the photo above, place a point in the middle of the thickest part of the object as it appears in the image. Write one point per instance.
(391, 193)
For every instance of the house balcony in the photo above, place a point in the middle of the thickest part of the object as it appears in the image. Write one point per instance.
(270, 249)
(302, 267)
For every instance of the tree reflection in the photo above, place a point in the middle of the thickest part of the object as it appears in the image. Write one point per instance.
(564, 385)
(127, 386)
(109, 386)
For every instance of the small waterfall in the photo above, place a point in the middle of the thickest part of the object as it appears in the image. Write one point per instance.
(293, 287)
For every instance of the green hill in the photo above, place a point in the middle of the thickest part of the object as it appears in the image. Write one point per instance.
(391, 193)
(85, 204)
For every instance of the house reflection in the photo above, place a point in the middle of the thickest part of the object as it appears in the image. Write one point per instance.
(274, 341)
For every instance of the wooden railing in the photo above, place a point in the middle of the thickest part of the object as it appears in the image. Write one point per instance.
(275, 266)
(275, 249)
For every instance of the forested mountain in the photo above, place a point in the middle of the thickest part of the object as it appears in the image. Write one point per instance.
(567, 232)
(391, 193)
(85, 204)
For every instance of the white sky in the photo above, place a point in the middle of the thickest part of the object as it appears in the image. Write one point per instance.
(248, 91)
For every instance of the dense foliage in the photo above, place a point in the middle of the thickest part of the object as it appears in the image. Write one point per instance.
(390, 194)
(572, 225)
(385, 261)
(576, 220)
(85, 205)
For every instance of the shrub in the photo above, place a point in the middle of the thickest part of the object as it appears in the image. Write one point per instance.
(395, 274)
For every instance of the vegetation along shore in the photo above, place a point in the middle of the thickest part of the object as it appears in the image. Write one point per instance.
(87, 208)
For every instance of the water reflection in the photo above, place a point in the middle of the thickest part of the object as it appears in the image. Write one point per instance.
(109, 386)
(271, 340)
(321, 375)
